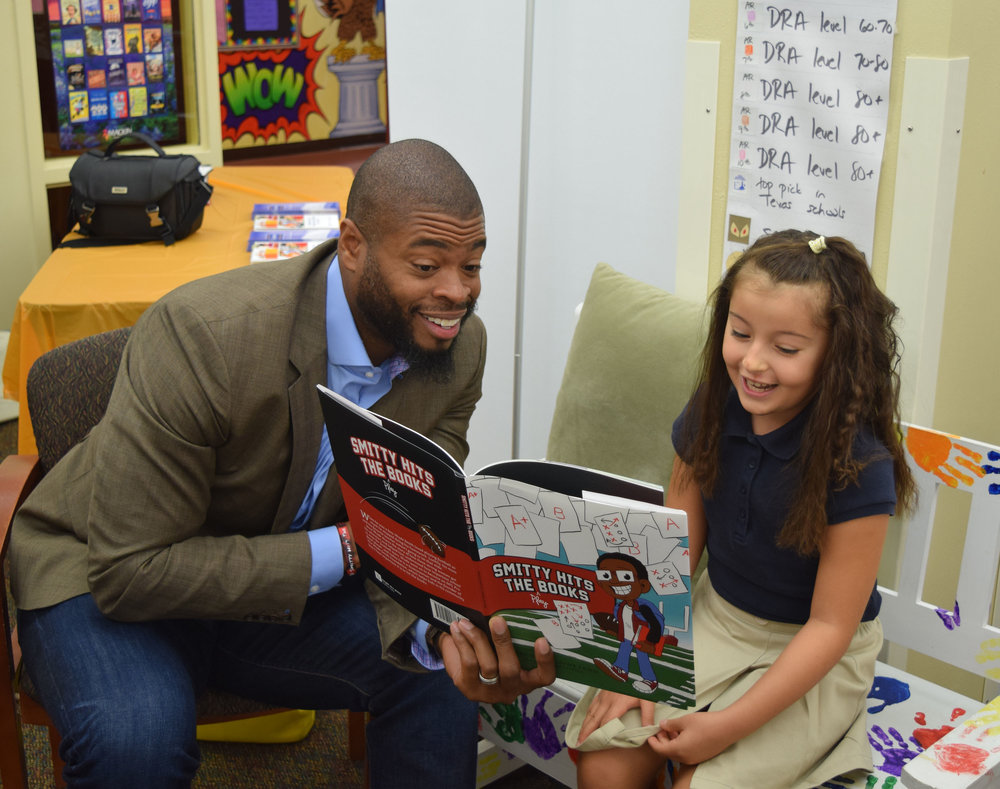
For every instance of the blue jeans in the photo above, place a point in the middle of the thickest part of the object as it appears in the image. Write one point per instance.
(122, 694)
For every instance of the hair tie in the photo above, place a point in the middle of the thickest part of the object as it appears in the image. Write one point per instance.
(818, 244)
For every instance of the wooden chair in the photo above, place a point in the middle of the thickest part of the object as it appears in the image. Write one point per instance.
(68, 389)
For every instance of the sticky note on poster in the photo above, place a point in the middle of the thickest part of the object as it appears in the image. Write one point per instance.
(574, 618)
(666, 579)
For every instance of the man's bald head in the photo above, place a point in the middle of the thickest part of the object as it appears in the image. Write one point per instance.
(406, 176)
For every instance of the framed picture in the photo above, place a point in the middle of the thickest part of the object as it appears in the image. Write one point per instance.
(260, 23)
(107, 68)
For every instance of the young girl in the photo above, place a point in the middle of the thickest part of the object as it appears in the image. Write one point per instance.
(788, 465)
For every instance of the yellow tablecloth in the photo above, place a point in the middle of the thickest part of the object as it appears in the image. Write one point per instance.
(79, 292)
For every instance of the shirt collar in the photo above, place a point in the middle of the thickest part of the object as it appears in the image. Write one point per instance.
(782, 443)
(345, 350)
(344, 346)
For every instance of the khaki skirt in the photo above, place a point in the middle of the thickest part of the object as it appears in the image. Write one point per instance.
(817, 738)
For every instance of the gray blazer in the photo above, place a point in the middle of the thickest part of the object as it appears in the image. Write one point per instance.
(178, 503)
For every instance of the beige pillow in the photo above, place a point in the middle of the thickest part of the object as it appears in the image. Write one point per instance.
(629, 373)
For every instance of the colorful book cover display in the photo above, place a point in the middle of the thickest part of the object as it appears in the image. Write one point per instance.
(114, 69)
(284, 230)
(589, 560)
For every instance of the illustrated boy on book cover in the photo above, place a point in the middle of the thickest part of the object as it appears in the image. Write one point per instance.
(635, 621)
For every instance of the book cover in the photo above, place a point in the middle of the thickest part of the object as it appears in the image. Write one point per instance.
(309, 234)
(296, 208)
(591, 561)
(295, 221)
(279, 250)
(91, 11)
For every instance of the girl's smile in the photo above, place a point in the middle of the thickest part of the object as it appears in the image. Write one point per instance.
(774, 345)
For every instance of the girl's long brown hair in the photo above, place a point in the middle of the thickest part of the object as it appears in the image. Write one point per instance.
(857, 382)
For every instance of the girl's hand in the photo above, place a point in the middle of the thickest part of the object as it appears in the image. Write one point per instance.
(693, 738)
(608, 706)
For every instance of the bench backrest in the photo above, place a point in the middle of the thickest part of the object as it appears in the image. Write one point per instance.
(962, 635)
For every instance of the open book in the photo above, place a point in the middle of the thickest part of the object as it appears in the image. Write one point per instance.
(592, 561)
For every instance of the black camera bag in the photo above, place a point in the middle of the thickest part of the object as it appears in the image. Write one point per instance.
(127, 199)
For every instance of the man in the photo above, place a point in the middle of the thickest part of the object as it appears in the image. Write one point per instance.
(192, 538)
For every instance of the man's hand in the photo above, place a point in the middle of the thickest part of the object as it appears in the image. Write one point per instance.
(470, 661)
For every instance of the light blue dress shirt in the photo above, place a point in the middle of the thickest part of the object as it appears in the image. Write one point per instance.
(350, 373)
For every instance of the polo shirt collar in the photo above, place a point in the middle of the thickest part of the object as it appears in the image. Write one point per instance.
(782, 443)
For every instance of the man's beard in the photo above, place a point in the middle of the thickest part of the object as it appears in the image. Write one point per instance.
(386, 316)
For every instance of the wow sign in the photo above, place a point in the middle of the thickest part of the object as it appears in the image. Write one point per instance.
(267, 91)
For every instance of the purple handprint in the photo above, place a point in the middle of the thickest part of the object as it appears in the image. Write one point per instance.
(894, 749)
(539, 730)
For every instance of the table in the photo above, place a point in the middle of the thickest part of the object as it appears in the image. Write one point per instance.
(83, 291)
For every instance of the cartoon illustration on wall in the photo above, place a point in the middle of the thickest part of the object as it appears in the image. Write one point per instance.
(312, 71)
(635, 622)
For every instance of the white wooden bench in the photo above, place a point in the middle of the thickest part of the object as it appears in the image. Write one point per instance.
(906, 713)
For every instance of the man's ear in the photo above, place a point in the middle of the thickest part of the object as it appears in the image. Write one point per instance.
(351, 246)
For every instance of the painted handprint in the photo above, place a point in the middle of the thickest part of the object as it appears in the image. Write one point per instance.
(894, 750)
(944, 458)
(508, 723)
(539, 730)
(871, 782)
(989, 650)
(951, 619)
(888, 690)
(926, 736)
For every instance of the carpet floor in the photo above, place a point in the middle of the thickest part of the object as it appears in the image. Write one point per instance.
(320, 761)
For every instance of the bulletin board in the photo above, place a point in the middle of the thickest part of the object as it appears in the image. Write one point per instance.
(809, 117)
(113, 69)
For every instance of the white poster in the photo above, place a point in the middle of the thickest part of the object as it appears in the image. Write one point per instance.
(810, 103)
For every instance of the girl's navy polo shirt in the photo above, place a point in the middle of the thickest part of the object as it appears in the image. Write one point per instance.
(757, 478)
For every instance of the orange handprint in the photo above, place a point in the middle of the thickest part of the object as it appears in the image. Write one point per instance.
(931, 451)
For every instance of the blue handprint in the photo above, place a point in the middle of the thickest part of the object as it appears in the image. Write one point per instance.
(993, 455)
(889, 690)
(894, 749)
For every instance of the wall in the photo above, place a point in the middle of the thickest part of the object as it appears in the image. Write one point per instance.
(23, 210)
(576, 158)
(969, 377)
(967, 382)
